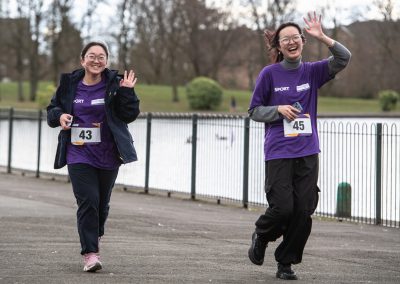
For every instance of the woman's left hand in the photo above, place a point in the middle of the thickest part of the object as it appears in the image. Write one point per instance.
(314, 26)
(129, 79)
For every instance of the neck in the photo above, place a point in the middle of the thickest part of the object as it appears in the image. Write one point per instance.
(291, 63)
(91, 79)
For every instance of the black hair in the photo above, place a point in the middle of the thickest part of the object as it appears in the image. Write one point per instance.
(272, 40)
(93, 43)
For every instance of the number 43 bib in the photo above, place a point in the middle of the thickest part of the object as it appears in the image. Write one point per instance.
(301, 126)
(81, 135)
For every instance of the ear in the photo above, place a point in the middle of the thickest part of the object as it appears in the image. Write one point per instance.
(82, 62)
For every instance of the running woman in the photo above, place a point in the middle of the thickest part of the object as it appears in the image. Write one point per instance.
(93, 106)
(285, 99)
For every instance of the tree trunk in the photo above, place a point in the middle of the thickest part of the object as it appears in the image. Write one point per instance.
(20, 90)
(34, 63)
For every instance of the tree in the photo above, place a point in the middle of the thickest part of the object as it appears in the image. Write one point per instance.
(36, 17)
(386, 38)
(266, 17)
(172, 44)
(125, 36)
(206, 36)
(168, 42)
(64, 38)
(219, 38)
(151, 36)
(20, 47)
(87, 18)
(386, 8)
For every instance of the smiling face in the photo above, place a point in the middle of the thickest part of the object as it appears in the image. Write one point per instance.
(94, 60)
(290, 43)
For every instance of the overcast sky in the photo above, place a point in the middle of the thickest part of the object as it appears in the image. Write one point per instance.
(365, 8)
(346, 11)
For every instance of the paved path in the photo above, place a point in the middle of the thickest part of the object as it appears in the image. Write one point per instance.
(155, 239)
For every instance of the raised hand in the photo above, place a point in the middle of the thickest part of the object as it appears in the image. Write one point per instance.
(314, 26)
(129, 80)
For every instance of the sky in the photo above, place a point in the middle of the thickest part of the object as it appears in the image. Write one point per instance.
(366, 8)
(346, 11)
(303, 6)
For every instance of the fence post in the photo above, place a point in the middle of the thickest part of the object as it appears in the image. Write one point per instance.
(194, 151)
(148, 142)
(378, 185)
(39, 142)
(246, 162)
(10, 134)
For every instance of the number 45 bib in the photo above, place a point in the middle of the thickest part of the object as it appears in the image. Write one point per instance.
(85, 135)
(301, 126)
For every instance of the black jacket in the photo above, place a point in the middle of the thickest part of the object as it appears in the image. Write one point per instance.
(121, 105)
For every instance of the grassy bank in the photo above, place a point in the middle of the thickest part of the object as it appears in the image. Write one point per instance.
(158, 98)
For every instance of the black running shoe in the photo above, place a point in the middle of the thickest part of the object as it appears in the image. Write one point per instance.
(257, 250)
(285, 272)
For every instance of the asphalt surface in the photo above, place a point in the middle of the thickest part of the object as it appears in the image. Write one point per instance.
(151, 238)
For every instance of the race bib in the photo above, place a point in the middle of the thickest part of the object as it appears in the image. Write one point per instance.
(85, 135)
(301, 126)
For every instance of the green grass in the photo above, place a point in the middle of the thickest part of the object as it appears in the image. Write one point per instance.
(158, 98)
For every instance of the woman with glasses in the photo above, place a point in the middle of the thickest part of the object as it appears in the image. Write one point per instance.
(93, 106)
(285, 99)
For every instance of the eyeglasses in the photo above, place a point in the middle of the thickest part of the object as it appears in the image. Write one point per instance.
(92, 57)
(296, 38)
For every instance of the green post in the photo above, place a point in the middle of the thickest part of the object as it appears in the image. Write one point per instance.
(378, 185)
(343, 204)
(246, 162)
(39, 143)
(148, 142)
(10, 136)
(194, 151)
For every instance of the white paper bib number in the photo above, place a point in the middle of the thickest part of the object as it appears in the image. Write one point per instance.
(301, 126)
(85, 135)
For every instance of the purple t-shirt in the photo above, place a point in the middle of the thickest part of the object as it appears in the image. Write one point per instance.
(88, 108)
(277, 86)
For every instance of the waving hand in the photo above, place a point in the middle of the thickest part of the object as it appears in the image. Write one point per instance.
(129, 80)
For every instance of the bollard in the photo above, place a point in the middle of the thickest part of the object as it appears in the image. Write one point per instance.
(343, 200)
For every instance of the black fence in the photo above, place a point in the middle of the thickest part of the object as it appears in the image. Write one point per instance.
(221, 157)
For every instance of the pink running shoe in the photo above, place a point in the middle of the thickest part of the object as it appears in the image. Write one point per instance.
(92, 262)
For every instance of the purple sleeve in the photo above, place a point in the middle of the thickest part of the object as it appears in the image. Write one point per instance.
(261, 90)
(320, 71)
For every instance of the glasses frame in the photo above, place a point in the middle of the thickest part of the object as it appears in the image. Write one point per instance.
(92, 57)
(295, 38)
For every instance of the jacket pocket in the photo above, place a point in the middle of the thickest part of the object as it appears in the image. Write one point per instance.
(61, 154)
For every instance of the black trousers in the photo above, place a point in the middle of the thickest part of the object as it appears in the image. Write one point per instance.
(292, 195)
(92, 189)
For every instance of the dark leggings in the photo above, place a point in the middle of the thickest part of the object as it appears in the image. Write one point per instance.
(292, 195)
(92, 189)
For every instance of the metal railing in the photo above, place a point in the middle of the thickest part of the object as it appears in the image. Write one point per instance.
(221, 157)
